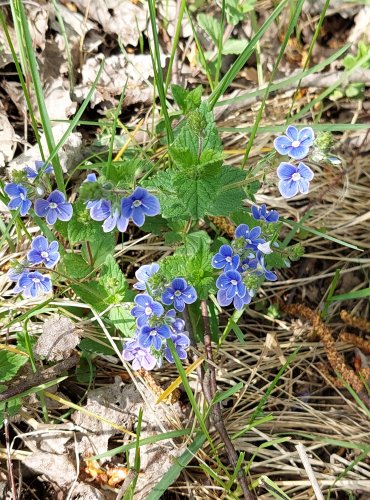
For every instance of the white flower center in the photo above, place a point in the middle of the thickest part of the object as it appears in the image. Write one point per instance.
(228, 259)
(177, 293)
(234, 282)
(52, 205)
(248, 241)
(296, 176)
(36, 280)
(22, 196)
(136, 203)
(148, 311)
(153, 333)
(296, 144)
(45, 255)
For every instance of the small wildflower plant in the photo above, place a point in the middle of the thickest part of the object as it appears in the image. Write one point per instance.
(157, 314)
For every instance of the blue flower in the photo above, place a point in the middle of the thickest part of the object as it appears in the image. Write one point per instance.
(54, 207)
(181, 343)
(265, 215)
(42, 252)
(153, 336)
(258, 264)
(138, 205)
(294, 178)
(295, 143)
(225, 258)
(143, 274)
(18, 198)
(102, 210)
(232, 284)
(33, 284)
(140, 357)
(251, 237)
(16, 272)
(145, 308)
(179, 293)
(91, 178)
(33, 172)
(238, 301)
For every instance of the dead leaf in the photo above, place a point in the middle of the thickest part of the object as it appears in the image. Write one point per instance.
(7, 139)
(58, 339)
(117, 17)
(133, 69)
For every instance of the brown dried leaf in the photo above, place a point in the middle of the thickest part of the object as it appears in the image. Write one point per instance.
(58, 339)
(117, 17)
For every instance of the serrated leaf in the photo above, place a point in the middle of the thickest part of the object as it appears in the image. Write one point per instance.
(100, 248)
(93, 294)
(193, 99)
(81, 227)
(171, 205)
(123, 173)
(275, 260)
(113, 280)
(75, 266)
(197, 195)
(123, 321)
(10, 364)
(229, 200)
(184, 149)
(210, 25)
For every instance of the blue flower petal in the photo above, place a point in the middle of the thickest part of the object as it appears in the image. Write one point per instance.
(56, 197)
(299, 152)
(41, 207)
(292, 133)
(282, 145)
(64, 211)
(51, 216)
(25, 206)
(138, 216)
(305, 171)
(303, 186)
(285, 171)
(306, 136)
(288, 188)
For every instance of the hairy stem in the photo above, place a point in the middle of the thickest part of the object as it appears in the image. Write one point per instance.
(209, 386)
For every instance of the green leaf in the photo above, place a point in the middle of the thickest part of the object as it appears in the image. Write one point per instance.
(81, 227)
(85, 370)
(12, 406)
(122, 320)
(229, 200)
(123, 173)
(75, 266)
(98, 347)
(179, 94)
(10, 364)
(234, 46)
(197, 194)
(93, 294)
(171, 204)
(113, 280)
(236, 10)
(100, 248)
(211, 26)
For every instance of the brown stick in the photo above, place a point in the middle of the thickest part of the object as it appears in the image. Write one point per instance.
(45, 376)
(216, 412)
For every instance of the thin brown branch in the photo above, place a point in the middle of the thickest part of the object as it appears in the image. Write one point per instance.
(209, 386)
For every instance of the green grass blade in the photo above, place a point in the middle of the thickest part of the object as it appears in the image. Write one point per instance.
(175, 42)
(173, 473)
(358, 294)
(321, 234)
(157, 68)
(292, 24)
(243, 58)
(25, 43)
(287, 81)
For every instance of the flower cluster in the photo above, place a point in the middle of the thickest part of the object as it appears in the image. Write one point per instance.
(243, 261)
(30, 282)
(296, 144)
(30, 187)
(155, 325)
(118, 211)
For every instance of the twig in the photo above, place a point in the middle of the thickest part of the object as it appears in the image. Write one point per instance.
(9, 463)
(45, 376)
(209, 386)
